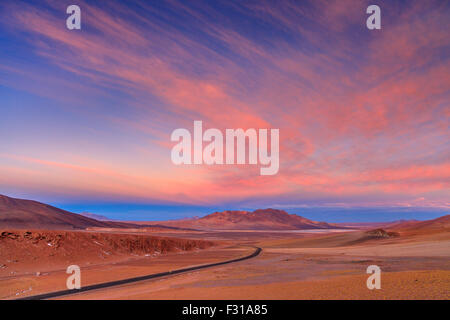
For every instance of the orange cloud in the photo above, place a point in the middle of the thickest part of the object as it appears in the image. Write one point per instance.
(359, 113)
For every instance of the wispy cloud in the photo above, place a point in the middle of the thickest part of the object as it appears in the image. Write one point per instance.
(361, 114)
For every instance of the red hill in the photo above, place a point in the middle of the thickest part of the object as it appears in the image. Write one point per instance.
(261, 219)
(438, 225)
(20, 214)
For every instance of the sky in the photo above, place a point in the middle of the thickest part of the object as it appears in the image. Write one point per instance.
(86, 115)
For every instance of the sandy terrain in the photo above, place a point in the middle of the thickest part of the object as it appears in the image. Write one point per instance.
(35, 261)
(296, 266)
(432, 249)
(395, 285)
(30, 284)
(31, 251)
(279, 273)
(414, 259)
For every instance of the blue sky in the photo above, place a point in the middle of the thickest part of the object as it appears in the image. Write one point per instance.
(363, 114)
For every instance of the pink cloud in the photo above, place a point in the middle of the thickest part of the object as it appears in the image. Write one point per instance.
(355, 118)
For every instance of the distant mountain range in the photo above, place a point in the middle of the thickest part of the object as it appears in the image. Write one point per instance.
(19, 213)
(414, 227)
(96, 216)
(29, 214)
(261, 219)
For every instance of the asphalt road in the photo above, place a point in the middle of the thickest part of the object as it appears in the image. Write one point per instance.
(61, 293)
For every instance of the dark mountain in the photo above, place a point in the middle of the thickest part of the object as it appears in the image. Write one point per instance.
(19, 213)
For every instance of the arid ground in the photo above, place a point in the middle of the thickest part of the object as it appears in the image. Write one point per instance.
(291, 266)
(303, 259)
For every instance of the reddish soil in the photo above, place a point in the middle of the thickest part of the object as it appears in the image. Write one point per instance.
(414, 256)
(428, 227)
(33, 251)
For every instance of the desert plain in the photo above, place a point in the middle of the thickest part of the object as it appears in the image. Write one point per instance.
(320, 261)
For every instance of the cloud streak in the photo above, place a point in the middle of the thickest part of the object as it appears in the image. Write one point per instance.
(362, 115)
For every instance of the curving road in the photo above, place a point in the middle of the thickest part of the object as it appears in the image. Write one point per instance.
(61, 293)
